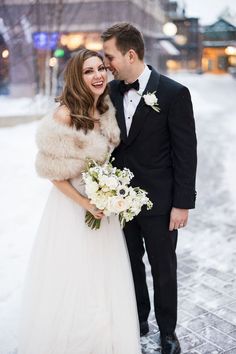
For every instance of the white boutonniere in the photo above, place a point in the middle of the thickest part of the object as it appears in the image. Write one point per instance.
(151, 100)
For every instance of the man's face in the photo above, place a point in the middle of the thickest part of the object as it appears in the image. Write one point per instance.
(115, 61)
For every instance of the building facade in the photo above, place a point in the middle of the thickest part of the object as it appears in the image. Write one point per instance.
(4, 67)
(186, 40)
(219, 47)
(42, 35)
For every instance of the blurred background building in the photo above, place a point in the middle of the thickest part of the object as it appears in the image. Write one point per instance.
(4, 67)
(41, 35)
(37, 37)
(219, 47)
(183, 33)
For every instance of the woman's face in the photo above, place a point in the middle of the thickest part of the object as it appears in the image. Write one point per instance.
(95, 75)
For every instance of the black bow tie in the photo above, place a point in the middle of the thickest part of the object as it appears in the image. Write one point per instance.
(126, 87)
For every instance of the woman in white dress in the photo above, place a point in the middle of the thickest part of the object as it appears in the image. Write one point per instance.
(79, 295)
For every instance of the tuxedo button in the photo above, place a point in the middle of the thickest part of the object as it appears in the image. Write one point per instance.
(128, 117)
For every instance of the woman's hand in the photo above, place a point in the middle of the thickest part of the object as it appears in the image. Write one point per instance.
(66, 188)
(97, 213)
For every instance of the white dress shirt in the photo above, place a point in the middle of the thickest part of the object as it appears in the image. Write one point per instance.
(132, 97)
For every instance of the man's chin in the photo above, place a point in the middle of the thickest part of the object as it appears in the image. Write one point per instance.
(116, 76)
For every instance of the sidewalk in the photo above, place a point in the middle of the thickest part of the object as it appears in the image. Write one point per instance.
(207, 309)
(207, 246)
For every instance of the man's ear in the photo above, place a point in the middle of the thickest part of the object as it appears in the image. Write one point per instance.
(132, 55)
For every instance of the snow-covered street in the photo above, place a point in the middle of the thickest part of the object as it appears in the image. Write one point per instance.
(206, 248)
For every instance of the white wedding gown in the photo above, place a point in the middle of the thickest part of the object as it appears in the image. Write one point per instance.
(79, 295)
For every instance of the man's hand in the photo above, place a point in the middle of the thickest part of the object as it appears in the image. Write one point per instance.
(178, 218)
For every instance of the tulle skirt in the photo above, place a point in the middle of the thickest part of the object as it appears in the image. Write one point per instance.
(79, 294)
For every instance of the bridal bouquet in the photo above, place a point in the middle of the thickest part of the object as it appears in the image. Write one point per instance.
(108, 188)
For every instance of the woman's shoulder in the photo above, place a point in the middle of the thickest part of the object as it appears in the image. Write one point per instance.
(62, 115)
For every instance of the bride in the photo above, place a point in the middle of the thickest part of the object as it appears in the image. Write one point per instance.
(79, 296)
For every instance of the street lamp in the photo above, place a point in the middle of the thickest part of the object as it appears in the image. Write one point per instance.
(52, 62)
(5, 54)
(230, 50)
(180, 39)
(170, 29)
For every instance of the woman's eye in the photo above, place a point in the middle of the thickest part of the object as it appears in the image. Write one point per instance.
(88, 71)
(102, 68)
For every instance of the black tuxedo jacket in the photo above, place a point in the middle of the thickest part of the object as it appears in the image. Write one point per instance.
(161, 147)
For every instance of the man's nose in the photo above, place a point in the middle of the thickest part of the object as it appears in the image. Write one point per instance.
(107, 63)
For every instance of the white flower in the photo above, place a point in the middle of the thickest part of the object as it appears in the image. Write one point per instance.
(132, 193)
(117, 204)
(105, 189)
(102, 180)
(112, 182)
(151, 100)
(135, 210)
(122, 190)
(100, 201)
(91, 188)
(108, 188)
(108, 181)
(124, 180)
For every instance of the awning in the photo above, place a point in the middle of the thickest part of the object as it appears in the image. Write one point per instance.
(168, 47)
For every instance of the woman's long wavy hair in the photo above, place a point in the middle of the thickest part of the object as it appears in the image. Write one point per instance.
(76, 96)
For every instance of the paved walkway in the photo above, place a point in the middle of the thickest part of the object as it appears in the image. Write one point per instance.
(207, 247)
(207, 310)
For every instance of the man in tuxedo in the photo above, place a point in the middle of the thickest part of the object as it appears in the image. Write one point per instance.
(158, 144)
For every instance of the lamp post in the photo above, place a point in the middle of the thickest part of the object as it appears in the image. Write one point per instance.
(170, 29)
(230, 50)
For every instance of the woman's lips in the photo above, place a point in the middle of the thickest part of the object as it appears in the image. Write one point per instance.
(98, 84)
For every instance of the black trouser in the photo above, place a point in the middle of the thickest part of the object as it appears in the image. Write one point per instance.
(160, 244)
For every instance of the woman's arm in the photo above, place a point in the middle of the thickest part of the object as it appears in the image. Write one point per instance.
(66, 188)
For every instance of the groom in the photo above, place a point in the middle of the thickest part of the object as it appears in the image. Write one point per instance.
(158, 144)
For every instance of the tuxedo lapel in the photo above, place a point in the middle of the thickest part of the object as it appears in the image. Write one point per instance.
(121, 116)
(142, 109)
(117, 99)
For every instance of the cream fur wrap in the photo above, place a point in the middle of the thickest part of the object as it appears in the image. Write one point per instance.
(63, 149)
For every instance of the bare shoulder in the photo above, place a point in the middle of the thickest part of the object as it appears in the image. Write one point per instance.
(62, 115)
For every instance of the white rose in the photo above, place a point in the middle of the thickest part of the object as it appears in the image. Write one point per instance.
(100, 202)
(91, 188)
(112, 182)
(150, 99)
(102, 180)
(117, 205)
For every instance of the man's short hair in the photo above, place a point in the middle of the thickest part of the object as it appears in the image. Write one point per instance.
(127, 37)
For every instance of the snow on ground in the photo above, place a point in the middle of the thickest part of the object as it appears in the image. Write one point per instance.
(214, 100)
(22, 198)
(210, 238)
(23, 106)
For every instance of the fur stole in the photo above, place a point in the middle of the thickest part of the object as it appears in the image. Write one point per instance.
(63, 149)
